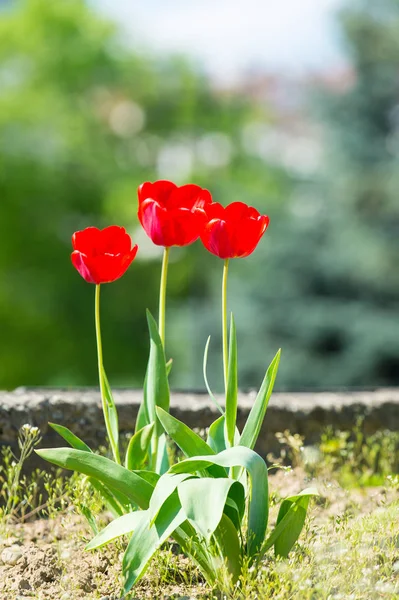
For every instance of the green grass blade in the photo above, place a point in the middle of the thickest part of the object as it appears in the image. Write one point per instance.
(121, 526)
(138, 448)
(70, 437)
(108, 498)
(254, 422)
(232, 387)
(114, 476)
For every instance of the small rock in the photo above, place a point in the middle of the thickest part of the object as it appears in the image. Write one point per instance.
(24, 585)
(10, 556)
(65, 596)
(105, 598)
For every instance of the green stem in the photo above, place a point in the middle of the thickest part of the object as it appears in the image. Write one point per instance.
(224, 323)
(114, 447)
(162, 295)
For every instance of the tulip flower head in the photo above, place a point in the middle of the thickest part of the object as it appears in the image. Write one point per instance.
(233, 231)
(172, 215)
(102, 255)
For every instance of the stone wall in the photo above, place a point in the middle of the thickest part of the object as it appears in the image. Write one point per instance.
(305, 413)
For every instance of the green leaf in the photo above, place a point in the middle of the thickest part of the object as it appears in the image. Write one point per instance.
(165, 487)
(162, 464)
(121, 526)
(228, 541)
(112, 413)
(137, 450)
(216, 439)
(239, 456)
(204, 364)
(189, 442)
(232, 385)
(70, 437)
(203, 501)
(254, 422)
(142, 418)
(114, 476)
(157, 387)
(298, 505)
(169, 366)
(146, 540)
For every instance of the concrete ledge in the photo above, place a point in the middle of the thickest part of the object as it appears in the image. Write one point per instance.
(305, 413)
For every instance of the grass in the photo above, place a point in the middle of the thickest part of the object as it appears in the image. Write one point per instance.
(348, 551)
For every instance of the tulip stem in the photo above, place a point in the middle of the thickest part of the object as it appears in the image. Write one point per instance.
(224, 323)
(106, 405)
(162, 295)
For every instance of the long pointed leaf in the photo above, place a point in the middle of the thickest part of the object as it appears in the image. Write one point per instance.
(70, 437)
(112, 412)
(165, 487)
(203, 501)
(157, 386)
(146, 540)
(229, 544)
(121, 526)
(114, 476)
(254, 422)
(189, 442)
(289, 535)
(137, 450)
(239, 456)
(232, 384)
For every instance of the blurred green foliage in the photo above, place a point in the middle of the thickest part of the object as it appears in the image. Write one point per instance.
(84, 120)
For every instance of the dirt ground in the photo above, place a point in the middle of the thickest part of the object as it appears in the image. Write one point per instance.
(46, 559)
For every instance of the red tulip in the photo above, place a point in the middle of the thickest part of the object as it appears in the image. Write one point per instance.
(102, 255)
(172, 215)
(234, 231)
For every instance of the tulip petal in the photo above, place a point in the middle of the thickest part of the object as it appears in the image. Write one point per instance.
(158, 191)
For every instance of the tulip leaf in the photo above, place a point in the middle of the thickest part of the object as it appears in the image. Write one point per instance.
(157, 387)
(189, 442)
(162, 464)
(203, 501)
(169, 366)
(146, 540)
(298, 505)
(216, 439)
(137, 450)
(204, 365)
(239, 456)
(70, 437)
(142, 418)
(255, 419)
(112, 413)
(232, 384)
(122, 526)
(228, 541)
(114, 476)
(165, 487)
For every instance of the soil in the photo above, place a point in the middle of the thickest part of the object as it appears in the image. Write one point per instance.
(46, 559)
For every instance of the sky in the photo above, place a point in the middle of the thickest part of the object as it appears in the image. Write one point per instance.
(227, 37)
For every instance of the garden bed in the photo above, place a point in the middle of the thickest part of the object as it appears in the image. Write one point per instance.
(348, 550)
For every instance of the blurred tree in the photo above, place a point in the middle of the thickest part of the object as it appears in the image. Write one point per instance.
(324, 284)
(83, 121)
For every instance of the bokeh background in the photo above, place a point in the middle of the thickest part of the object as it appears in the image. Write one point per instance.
(293, 109)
